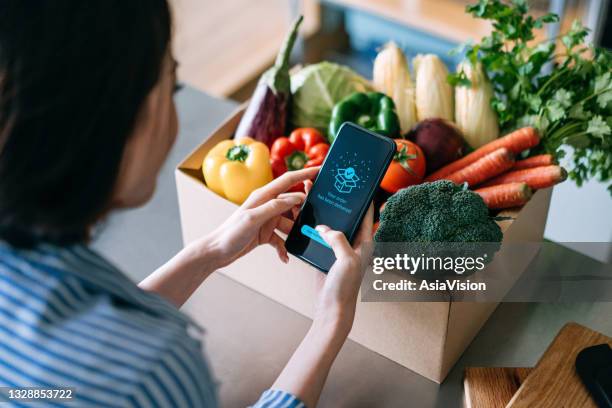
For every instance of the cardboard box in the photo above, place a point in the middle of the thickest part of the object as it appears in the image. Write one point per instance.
(427, 338)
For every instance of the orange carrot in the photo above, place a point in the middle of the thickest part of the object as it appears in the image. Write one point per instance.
(534, 161)
(516, 142)
(483, 169)
(505, 195)
(535, 177)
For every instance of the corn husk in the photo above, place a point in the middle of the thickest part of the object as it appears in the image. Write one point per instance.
(391, 76)
(434, 95)
(473, 112)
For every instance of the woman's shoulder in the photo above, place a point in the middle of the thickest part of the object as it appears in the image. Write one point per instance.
(92, 330)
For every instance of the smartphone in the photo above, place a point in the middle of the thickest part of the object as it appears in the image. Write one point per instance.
(341, 193)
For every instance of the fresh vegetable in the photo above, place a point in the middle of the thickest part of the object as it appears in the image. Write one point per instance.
(473, 112)
(372, 110)
(266, 116)
(505, 195)
(515, 142)
(392, 77)
(434, 95)
(484, 168)
(565, 92)
(406, 169)
(440, 140)
(534, 161)
(536, 177)
(305, 147)
(436, 212)
(317, 88)
(234, 168)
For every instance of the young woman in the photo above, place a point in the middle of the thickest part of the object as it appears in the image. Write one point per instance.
(86, 121)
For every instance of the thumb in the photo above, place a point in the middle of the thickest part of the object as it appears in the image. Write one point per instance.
(336, 240)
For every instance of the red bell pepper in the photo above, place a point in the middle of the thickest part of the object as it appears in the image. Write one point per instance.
(305, 147)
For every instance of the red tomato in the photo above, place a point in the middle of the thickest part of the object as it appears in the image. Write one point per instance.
(406, 169)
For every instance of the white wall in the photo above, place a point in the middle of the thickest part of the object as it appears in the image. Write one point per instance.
(581, 215)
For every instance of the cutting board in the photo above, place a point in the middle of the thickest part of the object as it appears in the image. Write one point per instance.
(492, 387)
(553, 383)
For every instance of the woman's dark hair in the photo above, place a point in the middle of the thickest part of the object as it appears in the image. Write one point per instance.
(73, 78)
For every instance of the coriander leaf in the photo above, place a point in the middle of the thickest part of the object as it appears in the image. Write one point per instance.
(555, 110)
(543, 123)
(602, 82)
(598, 127)
(575, 36)
(534, 102)
(547, 18)
(526, 69)
(577, 112)
(604, 99)
(563, 97)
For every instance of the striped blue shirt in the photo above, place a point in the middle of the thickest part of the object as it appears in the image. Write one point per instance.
(68, 318)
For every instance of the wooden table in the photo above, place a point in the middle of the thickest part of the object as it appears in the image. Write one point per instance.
(250, 337)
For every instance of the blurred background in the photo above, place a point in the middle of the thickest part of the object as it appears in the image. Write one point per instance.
(223, 47)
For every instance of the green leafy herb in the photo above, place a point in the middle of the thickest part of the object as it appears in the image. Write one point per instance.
(565, 93)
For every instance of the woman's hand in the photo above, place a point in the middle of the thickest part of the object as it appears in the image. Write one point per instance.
(267, 209)
(306, 372)
(338, 290)
(255, 223)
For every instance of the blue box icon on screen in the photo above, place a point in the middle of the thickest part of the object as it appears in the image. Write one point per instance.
(346, 180)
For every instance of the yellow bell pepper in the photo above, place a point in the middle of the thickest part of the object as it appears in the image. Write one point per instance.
(234, 168)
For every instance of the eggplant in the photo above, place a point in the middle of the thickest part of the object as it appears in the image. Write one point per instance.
(265, 119)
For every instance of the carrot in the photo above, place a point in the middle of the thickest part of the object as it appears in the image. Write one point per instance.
(535, 177)
(483, 169)
(534, 161)
(516, 142)
(505, 195)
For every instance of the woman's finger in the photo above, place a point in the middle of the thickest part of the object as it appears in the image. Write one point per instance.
(292, 213)
(284, 225)
(277, 242)
(280, 185)
(307, 186)
(336, 240)
(273, 208)
(293, 193)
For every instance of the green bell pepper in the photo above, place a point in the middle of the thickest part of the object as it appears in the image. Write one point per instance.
(374, 111)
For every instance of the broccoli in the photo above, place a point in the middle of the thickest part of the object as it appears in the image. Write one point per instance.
(436, 212)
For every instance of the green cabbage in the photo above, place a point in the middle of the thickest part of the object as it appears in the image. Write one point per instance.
(317, 88)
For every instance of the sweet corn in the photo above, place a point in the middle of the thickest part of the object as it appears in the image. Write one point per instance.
(392, 77)
(434, 95)
(473, 112)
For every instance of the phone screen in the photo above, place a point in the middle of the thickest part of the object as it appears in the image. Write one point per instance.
(341, 193)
